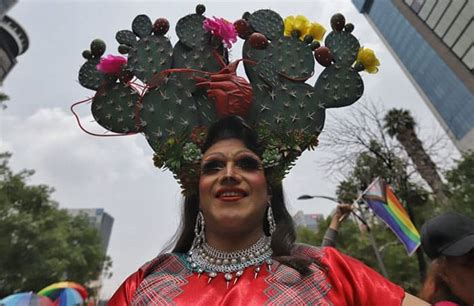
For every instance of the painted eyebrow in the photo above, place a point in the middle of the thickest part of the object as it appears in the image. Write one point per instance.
(246, 151)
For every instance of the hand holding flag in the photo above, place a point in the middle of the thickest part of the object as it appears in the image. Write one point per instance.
(383, 202)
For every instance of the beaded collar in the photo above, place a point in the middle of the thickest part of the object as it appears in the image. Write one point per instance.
(209, 260)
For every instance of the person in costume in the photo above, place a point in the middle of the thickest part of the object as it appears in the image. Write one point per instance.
(448, 240)
(237, 244)
(229, 142)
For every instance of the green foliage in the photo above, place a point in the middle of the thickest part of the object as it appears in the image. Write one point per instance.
(3, 98)
(461, 185)
(347, 191)
(40, 243)
(398, 120)
(401, 269)
(369, 153)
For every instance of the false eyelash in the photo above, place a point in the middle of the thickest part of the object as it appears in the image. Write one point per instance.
(211, 166)
(248, 163)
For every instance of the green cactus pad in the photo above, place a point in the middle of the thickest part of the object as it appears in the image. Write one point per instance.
(256, 56)
(149, 56)
(191, 32)
(113, 107)
(344, 47)
(268, 72)
(142, 26)
(288, 107)
(293, 57)
(126, 37)
(89, 76)
(205, 108)
(339, 86)
(268, 23)
(167, 111)
(199, 58)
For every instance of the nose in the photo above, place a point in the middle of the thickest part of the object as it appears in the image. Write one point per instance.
(231, 175)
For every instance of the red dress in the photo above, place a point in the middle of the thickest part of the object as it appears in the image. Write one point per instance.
(336, 279)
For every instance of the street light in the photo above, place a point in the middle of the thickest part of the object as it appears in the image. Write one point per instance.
(308, 197)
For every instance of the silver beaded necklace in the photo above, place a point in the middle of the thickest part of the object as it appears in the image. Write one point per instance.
(207, 259)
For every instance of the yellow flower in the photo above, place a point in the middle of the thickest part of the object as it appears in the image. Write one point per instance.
(316, 30)
(288, 25)
(299, 23)
(367, 58)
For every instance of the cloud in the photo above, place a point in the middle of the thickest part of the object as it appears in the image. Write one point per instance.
(50, 138)
(116, 174)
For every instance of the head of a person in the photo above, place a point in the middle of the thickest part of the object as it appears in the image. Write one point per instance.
(448, 240)
(233, 192)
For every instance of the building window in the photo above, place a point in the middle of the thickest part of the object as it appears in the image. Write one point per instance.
(416, 5)
(437, 12)
(465, 41)
(426, 9)
(449, 16)
(459, 24)
(468, 59)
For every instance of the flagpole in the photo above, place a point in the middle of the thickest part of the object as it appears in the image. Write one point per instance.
(372, 239)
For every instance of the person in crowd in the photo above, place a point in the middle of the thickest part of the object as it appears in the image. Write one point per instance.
(448, 240)
(340, 214)
(237, 244)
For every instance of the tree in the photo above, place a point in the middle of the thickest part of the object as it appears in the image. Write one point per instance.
(3, 98)
(461, 185)
(41, 244)
(400, 124)
(401, 269)
(381, 163)
(364, 152)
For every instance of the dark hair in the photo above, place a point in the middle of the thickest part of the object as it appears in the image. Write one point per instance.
(283, 239)
(434, 288)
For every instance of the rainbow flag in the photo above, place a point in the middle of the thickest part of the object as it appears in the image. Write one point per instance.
(383, 202)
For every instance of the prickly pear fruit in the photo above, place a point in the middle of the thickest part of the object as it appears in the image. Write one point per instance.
(258, 41)
(243, 28)
(161, 26)
(323, 55)
(337, 22)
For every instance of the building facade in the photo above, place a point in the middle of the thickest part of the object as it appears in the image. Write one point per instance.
(433, 42)
(101, 220)
(5, 5)
(13, 39)
(310, 221)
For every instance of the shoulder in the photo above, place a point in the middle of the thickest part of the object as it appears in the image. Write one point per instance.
(161, 262)
(125, 293)
(326, 256)
(319, 255)
(350, 279)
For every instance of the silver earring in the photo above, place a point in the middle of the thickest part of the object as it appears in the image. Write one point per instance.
(199, 233)
(271, 220)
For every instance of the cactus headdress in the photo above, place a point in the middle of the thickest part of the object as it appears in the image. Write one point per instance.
(171, 94)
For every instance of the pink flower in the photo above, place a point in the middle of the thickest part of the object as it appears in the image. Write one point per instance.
(221, 28)
(111, 64)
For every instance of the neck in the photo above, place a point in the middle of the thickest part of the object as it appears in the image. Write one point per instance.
(232, 242)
